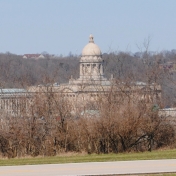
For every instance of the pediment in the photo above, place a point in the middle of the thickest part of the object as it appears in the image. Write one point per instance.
(67, 90)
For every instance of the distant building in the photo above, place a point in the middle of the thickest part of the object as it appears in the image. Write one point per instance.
(33, 56)
(168, 112)
(13, 101)
(84, 91)
(93, 84)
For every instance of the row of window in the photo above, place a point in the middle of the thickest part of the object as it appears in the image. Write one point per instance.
(88, 65)
(68, 95)
(72, 95)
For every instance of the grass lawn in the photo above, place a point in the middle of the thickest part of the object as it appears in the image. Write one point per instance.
(75, 158)
(159, 174)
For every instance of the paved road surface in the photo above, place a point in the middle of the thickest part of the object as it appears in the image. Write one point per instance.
(94, 168)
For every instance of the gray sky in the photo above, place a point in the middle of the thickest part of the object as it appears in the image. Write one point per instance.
(63, 26)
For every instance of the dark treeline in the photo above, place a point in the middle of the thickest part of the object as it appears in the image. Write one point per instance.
(19, 72)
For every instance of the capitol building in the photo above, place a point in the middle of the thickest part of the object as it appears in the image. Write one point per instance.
(80, 93)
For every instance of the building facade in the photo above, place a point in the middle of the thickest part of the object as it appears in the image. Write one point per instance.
(87, 89)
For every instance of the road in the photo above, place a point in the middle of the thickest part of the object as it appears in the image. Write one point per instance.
(92, 168)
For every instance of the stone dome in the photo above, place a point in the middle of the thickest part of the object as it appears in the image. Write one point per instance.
(91, 49)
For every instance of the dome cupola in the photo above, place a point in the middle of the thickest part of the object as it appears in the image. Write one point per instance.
(91, 65)
(91, 49)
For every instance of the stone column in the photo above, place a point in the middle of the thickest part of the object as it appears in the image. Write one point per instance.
(101, 70)
(0, 103)
(5, 106)
(81, 69)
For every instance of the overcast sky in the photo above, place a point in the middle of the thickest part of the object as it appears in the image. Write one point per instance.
(63, 26)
